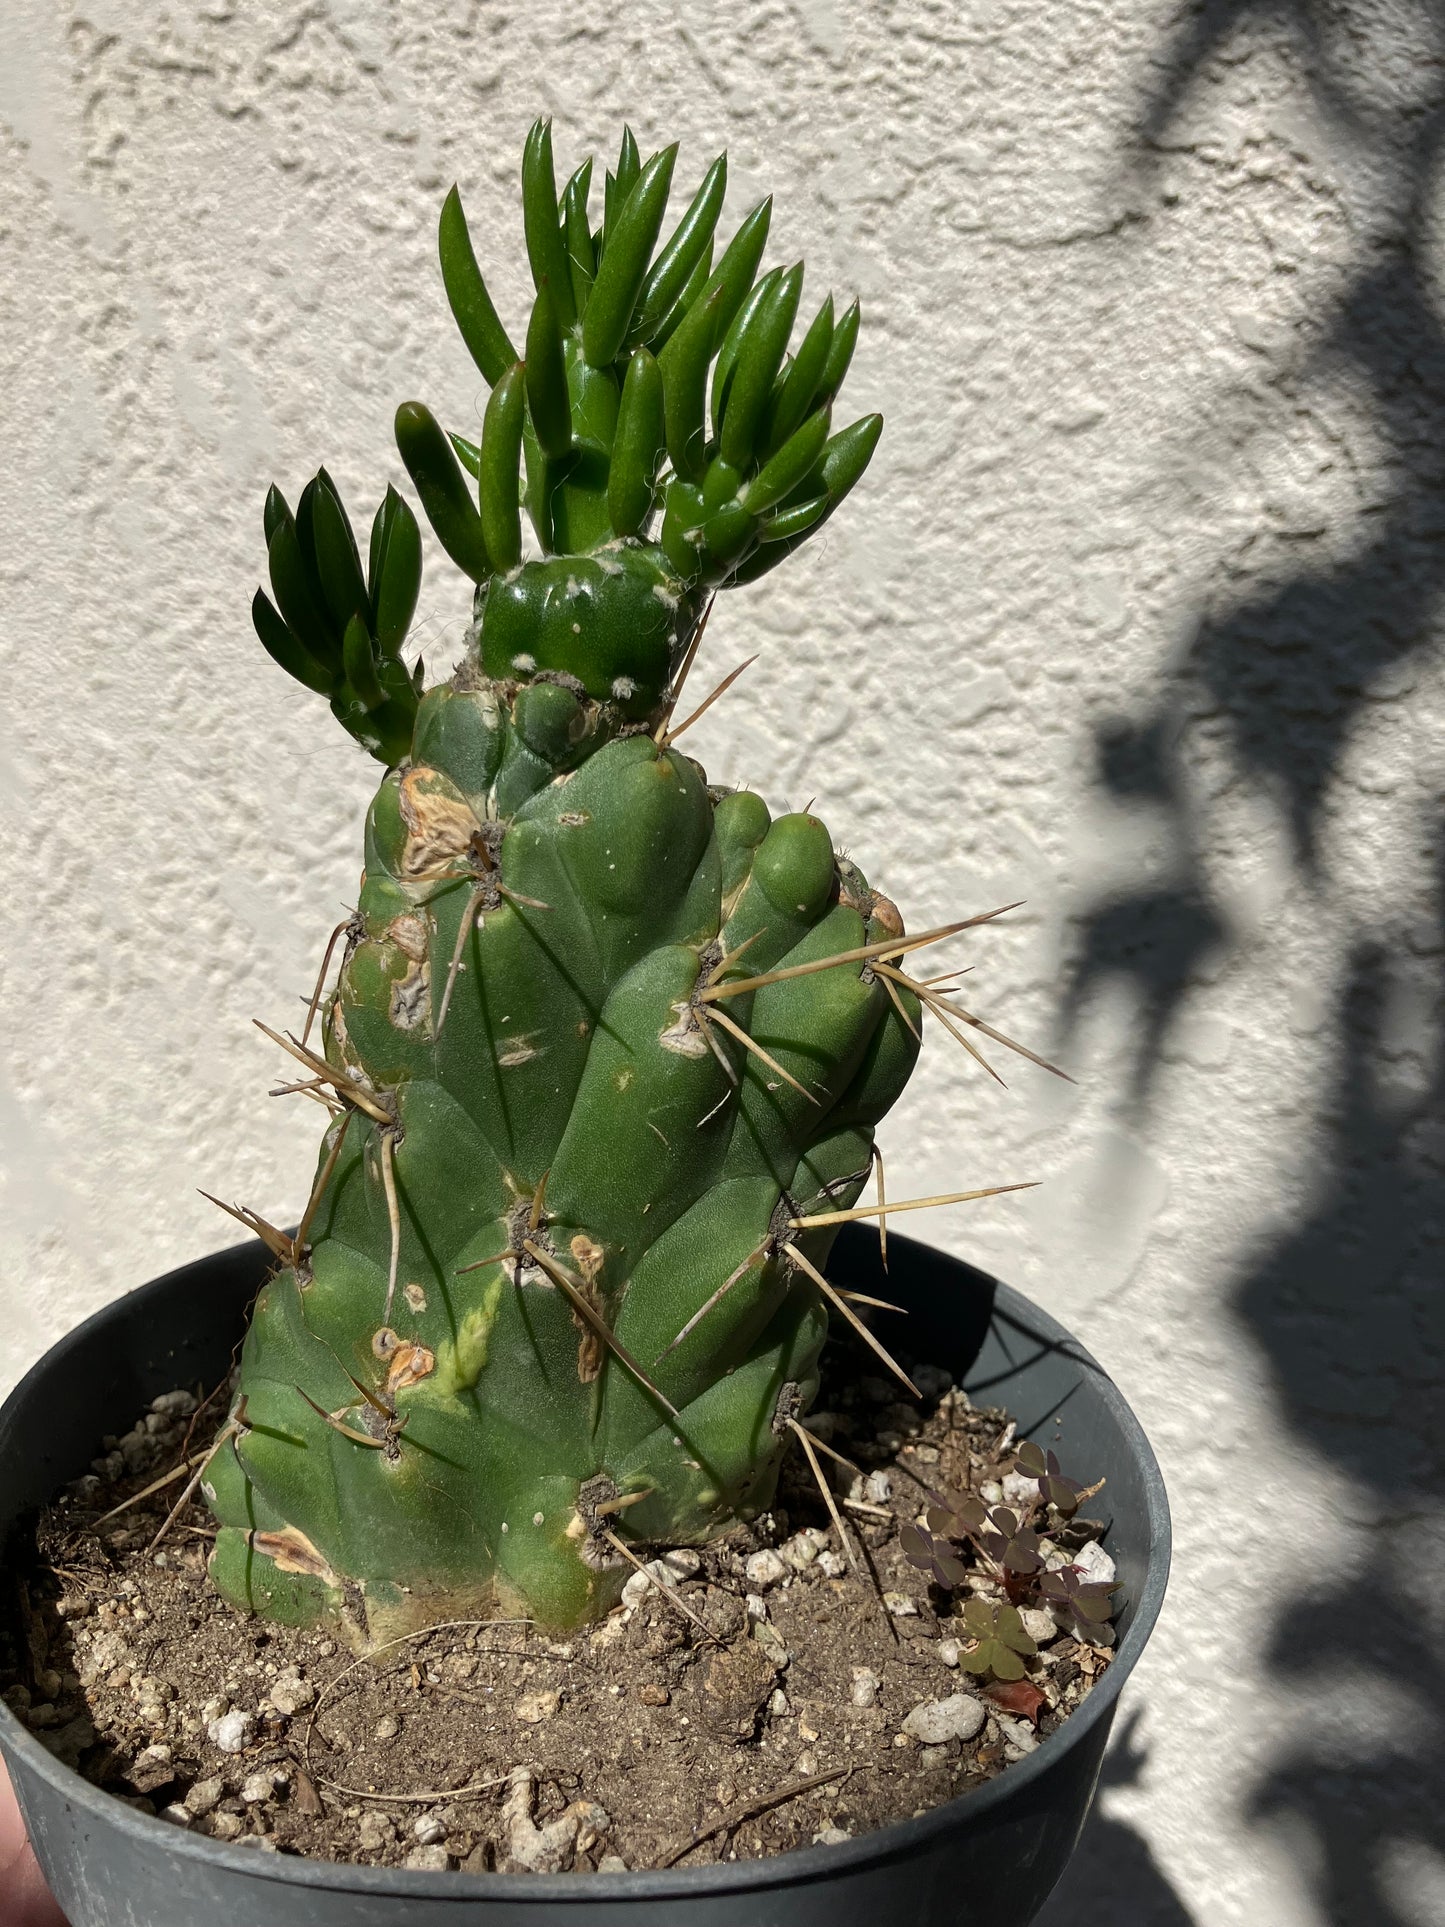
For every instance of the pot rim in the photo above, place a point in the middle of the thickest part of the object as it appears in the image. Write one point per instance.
(900, 1839)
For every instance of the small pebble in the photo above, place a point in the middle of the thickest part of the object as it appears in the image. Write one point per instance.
(933, 1722)
(681, 1563)
(865, 1686)
(261, 1785)
(533, 1708)
(226, 1826)
(1019, 1491)
(651, 1694)
(778, 1705)
(612, 1863)
(231, 1731)
(428, 1860)
(1095, 1564)
(429, 1829)
(1040, 1626)
(948, 1651)
(290, 1694)
(900, 1605)
(387, 1727)
(764, 1569)
(802, 1550)
(831, 1836)
(831, 1564)
(204, 1795)
(376, 1831)
(877, 1488)
(178, 1815)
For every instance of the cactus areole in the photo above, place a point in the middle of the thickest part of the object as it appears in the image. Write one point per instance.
(602, 1035)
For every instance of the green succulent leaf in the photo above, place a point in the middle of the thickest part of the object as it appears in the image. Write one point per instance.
(625, 255)
(432, 465)
(684, 365)
(394, 572)
(638, 446)
(285, 649)
(546, 372)
(546, 243)
(677, 262)
(581, 254)
(498, 469)
(360, 667)
(759, 357)
(476, 318)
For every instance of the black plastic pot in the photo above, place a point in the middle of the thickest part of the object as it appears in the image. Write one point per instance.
(989, 1858)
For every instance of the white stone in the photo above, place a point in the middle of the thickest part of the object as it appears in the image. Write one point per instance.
(864, 1690)
(933, 1722)
(204, 1795)
(948, 1651)
(290, 1694)
(803, 1549)
(901, 1604)
(428, 1829)
(765, 1569)
(1040, 1626)
(831, 1836)
(679, 1564)
(1020, 1491)
(232, 1731)
(261, 1785)
(1095, 1564)
(428, 1860)
(877, 1488)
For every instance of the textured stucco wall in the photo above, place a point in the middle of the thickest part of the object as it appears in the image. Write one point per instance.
(1138, 617)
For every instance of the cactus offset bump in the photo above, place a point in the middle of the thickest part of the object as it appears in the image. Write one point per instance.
(551, 1288)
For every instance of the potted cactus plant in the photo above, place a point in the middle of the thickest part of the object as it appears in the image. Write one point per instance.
(603, 1056)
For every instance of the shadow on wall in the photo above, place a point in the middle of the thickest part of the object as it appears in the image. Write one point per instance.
(1112, 1879)
(1348, 1306)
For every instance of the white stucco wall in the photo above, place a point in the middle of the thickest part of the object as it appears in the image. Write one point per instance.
(1137, 617)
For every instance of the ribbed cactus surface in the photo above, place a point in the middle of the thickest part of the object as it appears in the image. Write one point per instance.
(601, 1034)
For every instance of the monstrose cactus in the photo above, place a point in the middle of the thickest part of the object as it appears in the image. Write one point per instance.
(607, 1046)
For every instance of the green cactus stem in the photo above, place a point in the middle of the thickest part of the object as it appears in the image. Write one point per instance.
(592, 1058)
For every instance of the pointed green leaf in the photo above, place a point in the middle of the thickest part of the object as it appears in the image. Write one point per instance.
(658, 336)
(546, 249)
(284, 649)
(670, 272)
(624, 262)
(337, 561)
(840, 353)
(791, 465)
(442, 487)
(684, 364)
(469, 454)
(637, 446)
(500, 469)
(760, 355)
(274, 513)
(581, 255)
(739, 262)
(796, 520)
(360, 668)
(395, 572)
(794, 400)
(727, 355)
(547, 378)
(481, 330)
(297, 596)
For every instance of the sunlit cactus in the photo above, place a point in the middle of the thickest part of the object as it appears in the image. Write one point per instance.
(608, 1046)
